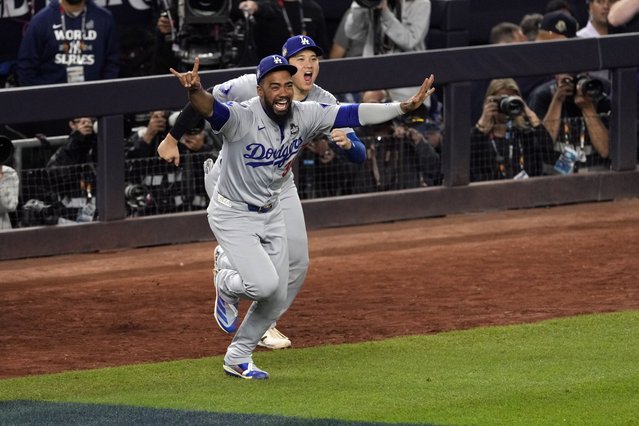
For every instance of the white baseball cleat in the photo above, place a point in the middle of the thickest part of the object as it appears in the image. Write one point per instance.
(273, 339)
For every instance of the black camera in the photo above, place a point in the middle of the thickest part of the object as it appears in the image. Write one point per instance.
(512, 106)
(586, 85)
(369, 4)
(137, 196)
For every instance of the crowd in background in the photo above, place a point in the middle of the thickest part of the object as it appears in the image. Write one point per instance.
(523, 127)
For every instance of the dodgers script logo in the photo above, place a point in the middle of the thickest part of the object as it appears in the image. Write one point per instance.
(260, 156)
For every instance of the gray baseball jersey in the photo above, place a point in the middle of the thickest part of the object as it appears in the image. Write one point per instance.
(243, 88)
(258, 154)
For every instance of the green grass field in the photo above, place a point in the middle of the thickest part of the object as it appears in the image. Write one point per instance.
(575, 371)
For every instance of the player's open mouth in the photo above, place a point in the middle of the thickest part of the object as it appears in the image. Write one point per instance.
(308, 76)
(281, 105)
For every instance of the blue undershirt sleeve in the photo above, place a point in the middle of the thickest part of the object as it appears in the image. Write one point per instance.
(357, 153)
(347, 116)
(221, 114)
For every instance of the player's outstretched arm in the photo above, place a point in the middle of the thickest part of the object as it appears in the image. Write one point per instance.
(201, 100)
(356, 115)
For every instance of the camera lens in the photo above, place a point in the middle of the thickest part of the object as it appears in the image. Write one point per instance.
(512, 106)
(590, 86)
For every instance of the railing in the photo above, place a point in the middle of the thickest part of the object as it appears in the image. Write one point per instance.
(454, 70)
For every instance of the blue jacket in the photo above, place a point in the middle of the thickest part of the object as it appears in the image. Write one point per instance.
(53, 42)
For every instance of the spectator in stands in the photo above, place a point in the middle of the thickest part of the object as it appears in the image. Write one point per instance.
(392, 27)
(277, 20)
(597, 19)
(508, 141)
(575, 108)
(81, 147)
(9, 184)
(343, 46)
(530, 25)
(597, 26)
(325, 172)
(165, 37)
(421, 165)
(156, 187)
(69, 41)
(503, 33)
(373, 136)
(71, 172)
(200, 139)
(557, 26)
(506, 32)
(144, 141)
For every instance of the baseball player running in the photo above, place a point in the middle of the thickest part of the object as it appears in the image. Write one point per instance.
(262, 137)
(302, 52)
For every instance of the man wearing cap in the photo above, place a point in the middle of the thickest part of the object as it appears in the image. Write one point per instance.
(571, 115)
(262, 138)
(557, 25)
(303, 53)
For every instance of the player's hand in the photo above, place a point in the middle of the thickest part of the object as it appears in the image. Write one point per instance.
(339, 137)
(189, 79)
(416, 100)
(168, 150)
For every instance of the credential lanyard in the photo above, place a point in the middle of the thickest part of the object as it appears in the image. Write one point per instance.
(63, 21)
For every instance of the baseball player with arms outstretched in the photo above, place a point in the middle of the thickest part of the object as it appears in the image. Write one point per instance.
(302, 52)
(262, 138)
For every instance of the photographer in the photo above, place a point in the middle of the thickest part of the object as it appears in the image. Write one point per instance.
(9, 184)
(80, 147)
(575, 108)
(389, 26)
(509, 140)
(576, 113)
(143, 142)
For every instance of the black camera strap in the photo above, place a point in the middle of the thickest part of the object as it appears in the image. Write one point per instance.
(506, 169)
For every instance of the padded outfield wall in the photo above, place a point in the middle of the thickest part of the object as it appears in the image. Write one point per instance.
(454, 69)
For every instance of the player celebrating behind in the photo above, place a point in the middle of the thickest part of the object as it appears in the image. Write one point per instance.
(262, 137)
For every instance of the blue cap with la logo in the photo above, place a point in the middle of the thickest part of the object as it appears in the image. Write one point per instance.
(298, 43)
(273, 63)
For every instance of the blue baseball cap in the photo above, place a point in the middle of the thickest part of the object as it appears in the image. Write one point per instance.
(273, 63)
(297, 44)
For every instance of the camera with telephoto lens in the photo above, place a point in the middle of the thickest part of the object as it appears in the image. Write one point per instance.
(369, 4)
(512, 106)
(586, 85)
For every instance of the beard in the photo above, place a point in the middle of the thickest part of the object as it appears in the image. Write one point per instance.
(277, 116)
